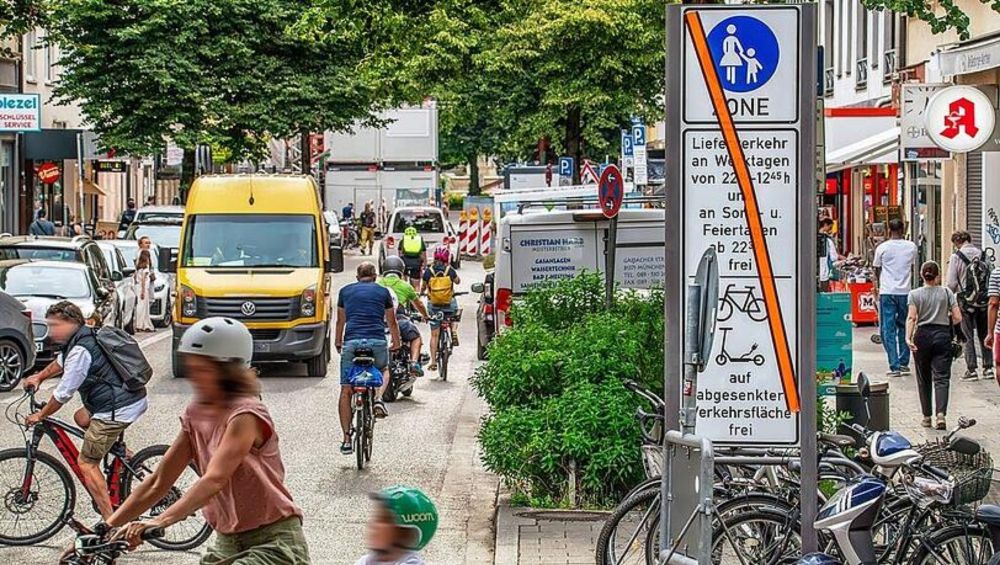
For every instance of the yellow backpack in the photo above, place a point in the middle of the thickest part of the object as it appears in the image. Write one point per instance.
(440, 289)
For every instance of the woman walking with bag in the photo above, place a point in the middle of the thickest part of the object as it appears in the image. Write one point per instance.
(143, 287)
(930, 329)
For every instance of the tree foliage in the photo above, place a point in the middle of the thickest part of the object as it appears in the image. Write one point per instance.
(952, 16)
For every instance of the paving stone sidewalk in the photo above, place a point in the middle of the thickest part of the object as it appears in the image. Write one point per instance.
(527, 537)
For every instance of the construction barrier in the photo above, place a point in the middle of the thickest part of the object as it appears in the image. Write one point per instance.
(486, 233)
(463, 235)
(472, 249)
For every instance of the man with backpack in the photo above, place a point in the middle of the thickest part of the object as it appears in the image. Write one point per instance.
(108, 370)
(413, 249)
(969, 277)
(439, 281)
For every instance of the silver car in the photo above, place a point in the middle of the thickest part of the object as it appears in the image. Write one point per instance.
(17, 341)
(121, 273)
(160, 307)
(431, 224)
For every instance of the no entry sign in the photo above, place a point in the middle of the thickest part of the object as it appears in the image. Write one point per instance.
(610, 191)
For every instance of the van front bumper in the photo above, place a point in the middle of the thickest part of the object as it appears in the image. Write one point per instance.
(287, 344)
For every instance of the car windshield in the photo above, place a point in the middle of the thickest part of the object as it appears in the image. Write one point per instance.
(152, 216)
(167, 235)
(40, 254)
(426, 221)
(251, 240)
(131, 252)
(47, 281)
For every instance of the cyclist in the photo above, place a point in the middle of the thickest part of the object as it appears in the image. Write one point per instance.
(108, 405)
(363, 311)
(393, 270)
(403, 523)
(414, 252)
(228, 433)
(347, 213)
(440, 280)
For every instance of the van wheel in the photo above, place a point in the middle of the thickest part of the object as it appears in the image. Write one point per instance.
(316, 367)
(175, 366)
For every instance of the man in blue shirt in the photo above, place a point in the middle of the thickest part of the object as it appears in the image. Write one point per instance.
(364, 309)
(347, 213)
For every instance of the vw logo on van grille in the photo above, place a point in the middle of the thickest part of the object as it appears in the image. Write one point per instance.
(248, 308)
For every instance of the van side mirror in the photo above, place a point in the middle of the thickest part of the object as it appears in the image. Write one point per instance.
(167, 262)
(864, 386)
(478, 288)
(336, 262)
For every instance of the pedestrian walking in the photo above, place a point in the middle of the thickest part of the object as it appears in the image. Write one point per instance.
(128, 215)
(930, 330)
(42, 225)
(968, 277)
(993, 323)
(828, 255)
(144, 278)
(893, 264)
(368, 221)
(229, 436)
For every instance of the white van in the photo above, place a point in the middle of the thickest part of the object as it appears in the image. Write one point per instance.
(535, 247)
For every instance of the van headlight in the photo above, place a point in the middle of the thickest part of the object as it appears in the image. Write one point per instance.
(189, 303)
(308, 302)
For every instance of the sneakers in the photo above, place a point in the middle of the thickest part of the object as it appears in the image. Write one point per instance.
(347, 448)
(893, 374)
(904, 370)
(940, 425)
(417, 370)
(970, 376)
(380, 410)
(926, 422)
(987, 373)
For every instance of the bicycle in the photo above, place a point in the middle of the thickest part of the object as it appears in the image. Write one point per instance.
(364, 384)
(28, 474)
(445, 340)
(92, 547)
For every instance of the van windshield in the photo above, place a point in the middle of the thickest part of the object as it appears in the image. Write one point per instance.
(250, 240)
(426, 221)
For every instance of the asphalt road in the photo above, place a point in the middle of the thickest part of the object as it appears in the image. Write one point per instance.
(429, 441)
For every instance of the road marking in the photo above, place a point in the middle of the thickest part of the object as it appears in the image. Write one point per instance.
(154, 339)
(765, 270)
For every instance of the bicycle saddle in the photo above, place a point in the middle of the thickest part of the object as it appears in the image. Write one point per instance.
(364, 352)
(836, 440)
(989, 514)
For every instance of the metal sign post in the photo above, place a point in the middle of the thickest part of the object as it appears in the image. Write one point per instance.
(740, 124)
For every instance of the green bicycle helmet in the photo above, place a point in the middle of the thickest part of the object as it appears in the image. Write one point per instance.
(410, 231)
(413, 510)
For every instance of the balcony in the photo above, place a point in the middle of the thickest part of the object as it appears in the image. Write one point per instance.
(828, 81)
(861, 74)
(889, 66)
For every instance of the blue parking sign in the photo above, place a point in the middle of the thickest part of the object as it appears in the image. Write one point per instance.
(566, 166)
(627, 146)
(639, 135)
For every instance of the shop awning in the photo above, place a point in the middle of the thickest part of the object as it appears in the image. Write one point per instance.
(92, 188)
(879, 148)
(973, 56)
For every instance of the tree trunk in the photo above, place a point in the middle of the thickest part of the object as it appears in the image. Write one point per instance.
(474, 188)
(187, 173)
(306, 150)
(574, 146)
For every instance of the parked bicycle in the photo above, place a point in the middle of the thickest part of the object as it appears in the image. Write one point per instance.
(366, 378)
(40, 495)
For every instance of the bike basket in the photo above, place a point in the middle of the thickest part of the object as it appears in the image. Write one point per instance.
(972, 474)
(369, 377)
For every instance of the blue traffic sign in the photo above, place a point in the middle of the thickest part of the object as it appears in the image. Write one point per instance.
(566, 166)
(745, 52)
(627, 146)
(639, 135)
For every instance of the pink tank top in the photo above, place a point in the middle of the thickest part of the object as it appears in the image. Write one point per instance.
(255, 495)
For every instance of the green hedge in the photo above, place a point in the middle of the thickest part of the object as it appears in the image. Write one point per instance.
(554, 386)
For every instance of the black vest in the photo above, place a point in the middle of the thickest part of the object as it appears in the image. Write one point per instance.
(102, 389)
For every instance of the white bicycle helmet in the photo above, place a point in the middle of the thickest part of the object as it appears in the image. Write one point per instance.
(222, 339)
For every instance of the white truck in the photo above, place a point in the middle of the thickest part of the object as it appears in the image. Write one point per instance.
(397, 164)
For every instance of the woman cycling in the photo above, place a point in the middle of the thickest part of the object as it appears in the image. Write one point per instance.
(439, 284)
(229, 436)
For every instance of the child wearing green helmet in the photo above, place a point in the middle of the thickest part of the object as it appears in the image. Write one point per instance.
(403, 523)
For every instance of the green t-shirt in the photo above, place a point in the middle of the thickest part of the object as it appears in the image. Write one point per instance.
(404, 291)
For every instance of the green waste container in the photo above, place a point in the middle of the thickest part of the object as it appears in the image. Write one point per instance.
(849, 400)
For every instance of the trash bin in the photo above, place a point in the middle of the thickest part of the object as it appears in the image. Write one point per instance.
(849, 400)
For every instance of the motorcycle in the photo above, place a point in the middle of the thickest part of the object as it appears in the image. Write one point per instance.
(401, 378)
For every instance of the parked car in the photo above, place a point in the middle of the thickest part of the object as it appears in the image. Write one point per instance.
(17, 342)
(333, 227)
(164, 233)
(80, 249)
(486, 326)
(40, 284)
(161, 306)
(431, 224)
(122, 273)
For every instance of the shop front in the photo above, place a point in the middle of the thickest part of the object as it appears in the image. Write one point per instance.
(8, 184)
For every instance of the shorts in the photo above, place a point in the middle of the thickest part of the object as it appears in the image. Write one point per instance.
(281, 542)
(407, 330)
(434, 310)
(380, 350)
(99, 438)
(996, 349)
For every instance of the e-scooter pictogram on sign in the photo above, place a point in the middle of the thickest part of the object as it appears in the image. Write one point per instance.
(751, 356)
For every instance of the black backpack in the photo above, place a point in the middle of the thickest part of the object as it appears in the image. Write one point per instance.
(973, 293)
(125, 357)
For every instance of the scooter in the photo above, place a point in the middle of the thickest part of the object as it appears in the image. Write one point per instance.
(725, 357)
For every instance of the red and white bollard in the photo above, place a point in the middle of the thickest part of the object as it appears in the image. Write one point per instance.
(473, 234)
(485, 237)
(463, 235)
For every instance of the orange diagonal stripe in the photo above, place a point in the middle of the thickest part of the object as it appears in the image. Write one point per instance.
(765, 271)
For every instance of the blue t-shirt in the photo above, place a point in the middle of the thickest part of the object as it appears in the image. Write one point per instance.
(365, 304)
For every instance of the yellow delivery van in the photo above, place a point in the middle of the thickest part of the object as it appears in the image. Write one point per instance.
(256, 248)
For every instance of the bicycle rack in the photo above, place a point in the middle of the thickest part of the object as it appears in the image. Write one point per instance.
(687, 493)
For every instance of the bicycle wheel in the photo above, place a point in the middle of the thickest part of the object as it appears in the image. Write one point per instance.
(51, 498)
(182, 536)
(760, 537)
(626, 532)
(360, 429)
(955, 545)
(370, 431)
(444, 352)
